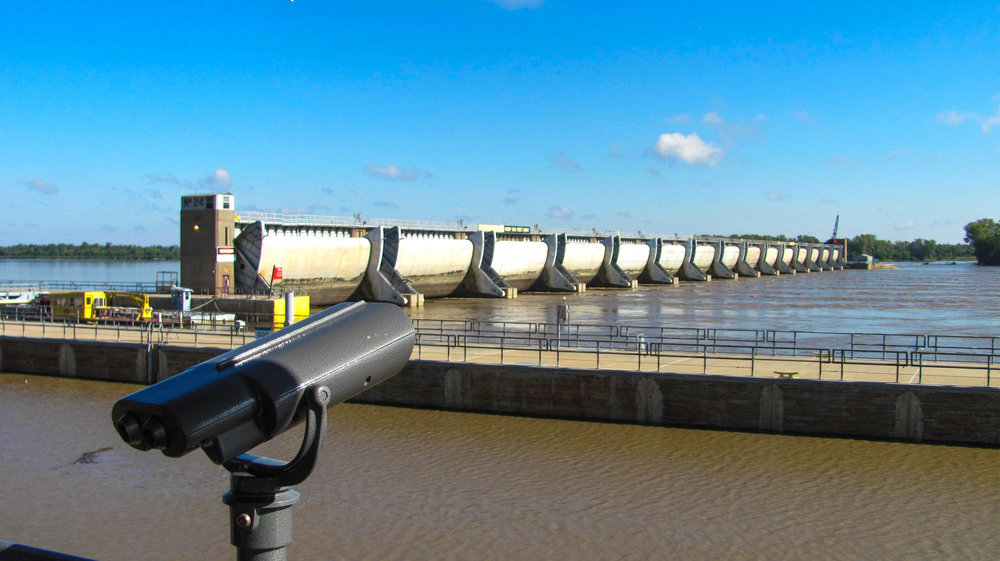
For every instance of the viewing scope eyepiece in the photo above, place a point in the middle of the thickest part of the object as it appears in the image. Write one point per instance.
(247, 396)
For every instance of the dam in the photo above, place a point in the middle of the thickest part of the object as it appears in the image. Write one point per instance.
(333, 259)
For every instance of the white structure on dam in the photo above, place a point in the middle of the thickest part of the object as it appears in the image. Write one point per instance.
(337, 259)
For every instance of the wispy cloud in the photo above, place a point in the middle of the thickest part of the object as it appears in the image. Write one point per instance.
(219, 179)
(804, 116)
(385, 204)
(615, 152)
(731, 132)
(991, 122)
(843, 160)
(893, 154)
(954, 118)
(689, 149)
(392, 172)
(776, 196)
(45, 187)
(512, 5)
(682, 118)
(653, 171)
(564, 162)
(560, 212)
(173, 180)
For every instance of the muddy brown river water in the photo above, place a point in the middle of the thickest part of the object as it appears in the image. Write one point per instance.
(407, 484)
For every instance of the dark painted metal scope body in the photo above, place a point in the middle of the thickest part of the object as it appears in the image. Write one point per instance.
(237, 400)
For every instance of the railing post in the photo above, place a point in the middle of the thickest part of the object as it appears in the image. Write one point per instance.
(989, 363)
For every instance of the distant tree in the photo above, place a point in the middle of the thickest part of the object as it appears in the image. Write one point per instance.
(804, 238)
(984, 236)
(91, 251)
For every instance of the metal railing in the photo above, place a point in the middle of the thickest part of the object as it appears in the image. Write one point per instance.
(906, 358)
(896, 358)
(49, 286)
(680, 337)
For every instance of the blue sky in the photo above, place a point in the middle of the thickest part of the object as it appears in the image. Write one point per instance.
(663, 117)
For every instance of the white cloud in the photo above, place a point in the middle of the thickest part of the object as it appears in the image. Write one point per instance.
(219, 179)
(690, 149)
(682, 118)
(36, 184)
(518, 4)
(560, 212)
(392, 172)
(775, 196)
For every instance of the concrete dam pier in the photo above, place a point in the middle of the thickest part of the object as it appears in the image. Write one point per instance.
(225, 252)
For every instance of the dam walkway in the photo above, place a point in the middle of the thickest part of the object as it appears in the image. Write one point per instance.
(853, 357)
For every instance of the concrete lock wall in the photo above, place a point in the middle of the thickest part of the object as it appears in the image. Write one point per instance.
(931, 414)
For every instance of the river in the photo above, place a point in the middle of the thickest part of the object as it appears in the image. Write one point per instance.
(404, 484)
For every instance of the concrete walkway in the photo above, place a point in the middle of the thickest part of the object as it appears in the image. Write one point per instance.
(859, 370)
(938, 373)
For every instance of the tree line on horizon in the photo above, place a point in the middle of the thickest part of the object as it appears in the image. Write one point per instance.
(982, 237)
(107, 251)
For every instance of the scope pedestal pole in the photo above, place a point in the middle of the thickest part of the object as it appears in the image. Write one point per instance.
(260, 496)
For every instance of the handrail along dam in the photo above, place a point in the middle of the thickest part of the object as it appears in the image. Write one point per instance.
(336, 259)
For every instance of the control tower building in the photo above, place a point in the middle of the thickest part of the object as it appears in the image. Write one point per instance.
(208, 258)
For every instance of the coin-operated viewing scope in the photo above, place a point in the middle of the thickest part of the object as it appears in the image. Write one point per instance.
(237, 400)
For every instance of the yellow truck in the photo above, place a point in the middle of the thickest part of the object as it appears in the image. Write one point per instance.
(95, 306)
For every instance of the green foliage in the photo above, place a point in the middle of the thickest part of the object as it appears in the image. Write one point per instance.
(91, 251)
(916, 250)
(984, 236)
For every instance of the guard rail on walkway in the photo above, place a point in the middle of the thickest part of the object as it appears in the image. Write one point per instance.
(897, 358)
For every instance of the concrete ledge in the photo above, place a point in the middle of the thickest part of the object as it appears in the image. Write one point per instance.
(932, 414)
